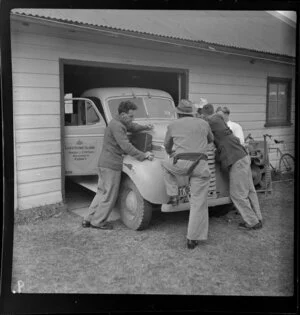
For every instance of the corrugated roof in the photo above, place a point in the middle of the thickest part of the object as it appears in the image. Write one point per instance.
(252, 30)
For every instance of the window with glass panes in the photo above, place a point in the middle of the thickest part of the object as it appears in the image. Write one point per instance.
(278, 102)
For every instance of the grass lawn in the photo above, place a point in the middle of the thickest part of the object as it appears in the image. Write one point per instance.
(57, 255)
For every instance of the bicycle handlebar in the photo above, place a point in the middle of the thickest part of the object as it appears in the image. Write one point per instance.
(275, 140)
(267, 135)
(278, 141)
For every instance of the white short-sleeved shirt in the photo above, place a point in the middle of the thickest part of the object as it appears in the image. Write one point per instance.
(237, 130)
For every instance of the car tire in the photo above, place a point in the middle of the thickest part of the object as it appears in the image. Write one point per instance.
(135, 211)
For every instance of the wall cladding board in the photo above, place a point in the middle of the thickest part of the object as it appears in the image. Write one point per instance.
(43, 147)
(39, 48)
(29, 65)
(68, 49)
(240, 110)
(275, 132)
(252, 125)
(37, 175)
(82, 50)
(228, 89)
(35, 80)
(36, 107)
(230, 99)
(229, 68)
(37, 121)
(248, 117)
(39, 200)
(48, 39)
(37, 188)
(280, 71)
(36, 94)
(226, 79)
(38, 161)
(237, 74)
(41, 134)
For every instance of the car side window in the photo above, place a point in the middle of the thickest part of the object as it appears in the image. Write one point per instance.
(80, 113)
(91, 115)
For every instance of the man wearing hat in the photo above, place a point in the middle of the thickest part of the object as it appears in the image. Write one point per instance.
(235, 159)
(186, 142)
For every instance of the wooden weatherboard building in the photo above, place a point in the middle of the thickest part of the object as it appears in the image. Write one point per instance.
(244, 60)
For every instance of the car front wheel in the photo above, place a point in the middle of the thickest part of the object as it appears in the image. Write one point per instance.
(135, 211)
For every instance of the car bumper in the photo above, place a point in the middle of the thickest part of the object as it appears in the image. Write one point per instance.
(212, 202)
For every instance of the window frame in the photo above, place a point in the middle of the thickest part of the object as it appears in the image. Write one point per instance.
(288, 82)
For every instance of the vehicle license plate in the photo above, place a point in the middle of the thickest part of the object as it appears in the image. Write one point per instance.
(184, 193)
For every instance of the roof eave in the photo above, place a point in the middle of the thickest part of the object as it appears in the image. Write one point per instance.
(179, 42)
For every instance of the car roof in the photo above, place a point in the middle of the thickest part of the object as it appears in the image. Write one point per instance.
(104, 93)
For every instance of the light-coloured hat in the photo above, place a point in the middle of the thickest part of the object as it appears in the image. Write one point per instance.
(202, 102)
(186, 107)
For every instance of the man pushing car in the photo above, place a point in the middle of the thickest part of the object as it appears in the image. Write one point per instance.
(186, 142)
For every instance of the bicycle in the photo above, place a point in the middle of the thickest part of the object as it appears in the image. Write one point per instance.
(286, 160)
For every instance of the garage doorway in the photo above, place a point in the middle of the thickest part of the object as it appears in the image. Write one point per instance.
(78, 76)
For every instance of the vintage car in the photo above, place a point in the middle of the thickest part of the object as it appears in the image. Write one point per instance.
(142, 186)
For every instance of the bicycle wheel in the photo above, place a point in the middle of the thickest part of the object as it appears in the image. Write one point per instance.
(286, 163)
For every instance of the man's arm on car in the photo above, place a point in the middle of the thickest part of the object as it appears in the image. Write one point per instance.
(134, 127)
(119, 132)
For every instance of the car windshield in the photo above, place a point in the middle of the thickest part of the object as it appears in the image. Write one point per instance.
(155, 107)
(114, 103)
(160, 107)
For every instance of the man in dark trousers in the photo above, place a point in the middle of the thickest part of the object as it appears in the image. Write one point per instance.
(186, 142)
(115, 145)
(235, 159)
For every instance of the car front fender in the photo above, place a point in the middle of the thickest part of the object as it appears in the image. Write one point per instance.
(148, 178)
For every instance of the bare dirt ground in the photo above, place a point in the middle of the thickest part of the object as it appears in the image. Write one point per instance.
(57, 255)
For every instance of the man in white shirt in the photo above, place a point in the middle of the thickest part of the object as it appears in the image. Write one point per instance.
(236, 129)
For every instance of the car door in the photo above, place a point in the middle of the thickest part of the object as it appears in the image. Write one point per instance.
(84, 132)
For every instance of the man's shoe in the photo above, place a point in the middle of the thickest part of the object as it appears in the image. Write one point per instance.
(191, 244)
(173, 201)
(85, 224)
(258, 226)
(103, 226)
(248, 227)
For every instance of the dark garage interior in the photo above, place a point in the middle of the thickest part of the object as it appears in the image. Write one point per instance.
(78, 78)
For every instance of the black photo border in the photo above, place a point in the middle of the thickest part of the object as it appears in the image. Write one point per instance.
(106, 303)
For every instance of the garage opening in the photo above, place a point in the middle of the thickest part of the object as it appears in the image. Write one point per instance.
(78, 76)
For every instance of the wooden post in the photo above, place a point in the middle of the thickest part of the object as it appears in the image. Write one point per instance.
(179, 87)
